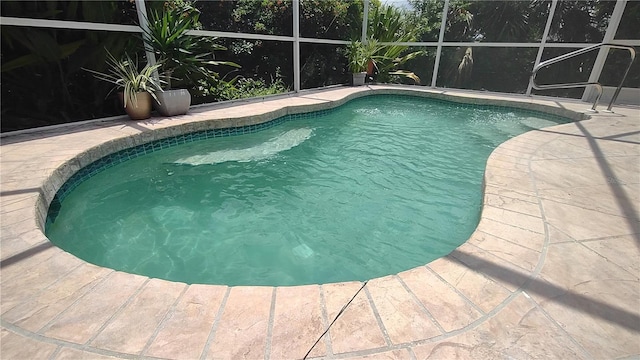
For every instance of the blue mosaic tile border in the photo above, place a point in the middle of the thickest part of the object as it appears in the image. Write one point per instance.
(131, 153)
(519, 110)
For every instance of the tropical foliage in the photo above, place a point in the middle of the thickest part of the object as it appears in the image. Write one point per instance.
(185, 58)
(507, 69)
(124, 74)
(389, 24)
(42, 78)
(321, 64)
(241, 87)
(361, 54)
(43, 81)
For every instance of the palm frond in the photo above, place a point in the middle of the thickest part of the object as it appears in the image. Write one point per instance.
(183, 56)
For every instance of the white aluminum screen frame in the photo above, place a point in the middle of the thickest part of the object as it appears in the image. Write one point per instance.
(296, 40)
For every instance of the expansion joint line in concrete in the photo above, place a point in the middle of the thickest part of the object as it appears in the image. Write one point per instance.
(216, 323)
(272, 312)
(545, 249)
(63, 343)
(334, 319)
(420, 304)
(513, 295)
(325, 320)
(164, 320)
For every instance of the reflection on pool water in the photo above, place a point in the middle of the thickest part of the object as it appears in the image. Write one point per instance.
(265, 150)
(378, 186)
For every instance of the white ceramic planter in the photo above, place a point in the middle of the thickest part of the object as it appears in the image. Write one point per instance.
(358, 78)
(173, 102)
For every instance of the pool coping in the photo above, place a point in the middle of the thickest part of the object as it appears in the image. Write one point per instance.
(62, 174)
(489, 276)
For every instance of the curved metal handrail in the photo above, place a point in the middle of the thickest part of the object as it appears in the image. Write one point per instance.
(632, 53)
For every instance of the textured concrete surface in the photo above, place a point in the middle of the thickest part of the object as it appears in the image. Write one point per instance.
(552, 270)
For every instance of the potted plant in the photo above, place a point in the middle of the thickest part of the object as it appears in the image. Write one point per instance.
(362, 59)
(370, 57)
(138, 87)
(184, 58)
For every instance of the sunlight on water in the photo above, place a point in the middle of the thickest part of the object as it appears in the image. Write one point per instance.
(285, 141)
(379, 186)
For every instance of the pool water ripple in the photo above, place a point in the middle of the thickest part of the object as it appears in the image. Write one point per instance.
(376, 187)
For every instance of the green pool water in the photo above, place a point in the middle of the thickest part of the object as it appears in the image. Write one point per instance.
(378, 186)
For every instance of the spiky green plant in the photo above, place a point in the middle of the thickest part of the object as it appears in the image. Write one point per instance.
(124, 75)
(359, 54)
(389, 24)
(184, 57)
(356, 58)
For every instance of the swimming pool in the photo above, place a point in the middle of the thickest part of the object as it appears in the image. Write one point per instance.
(376, 186)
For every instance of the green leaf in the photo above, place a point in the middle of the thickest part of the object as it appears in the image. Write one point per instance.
(183, 56)
(30, 59)
(124, 74)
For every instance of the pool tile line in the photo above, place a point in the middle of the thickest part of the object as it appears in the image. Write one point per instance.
(14, 269)
(48, 305)
(126, 154)
(497, 255)
(15, 256)
(167, 316)
(55, 352)
(545, 247)
(403, 349)
(376, 314)
(62, 344)
(215, 324)
(117, 157)
(325, 336)
(610, 237)
(462, 258)
(512, 294)
(42, 291)
(325, 321)
(559, 327)
(522, 212)
(361, 353)
(272, 313)
(530, 174)
(17, 277)
(491, 191)
(33, 297)
(514, 233)
(622, 268)
(474, 324)
(145, 138)
(420, 304)
(482, 231)
(158, 144)
(517, 226)
(117, 312)
(455, 289)
(532, 275)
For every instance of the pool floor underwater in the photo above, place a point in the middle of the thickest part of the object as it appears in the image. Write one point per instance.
(312, 200)
(550, 272)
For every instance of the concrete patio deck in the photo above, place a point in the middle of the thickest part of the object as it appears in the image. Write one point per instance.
(552, 270)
